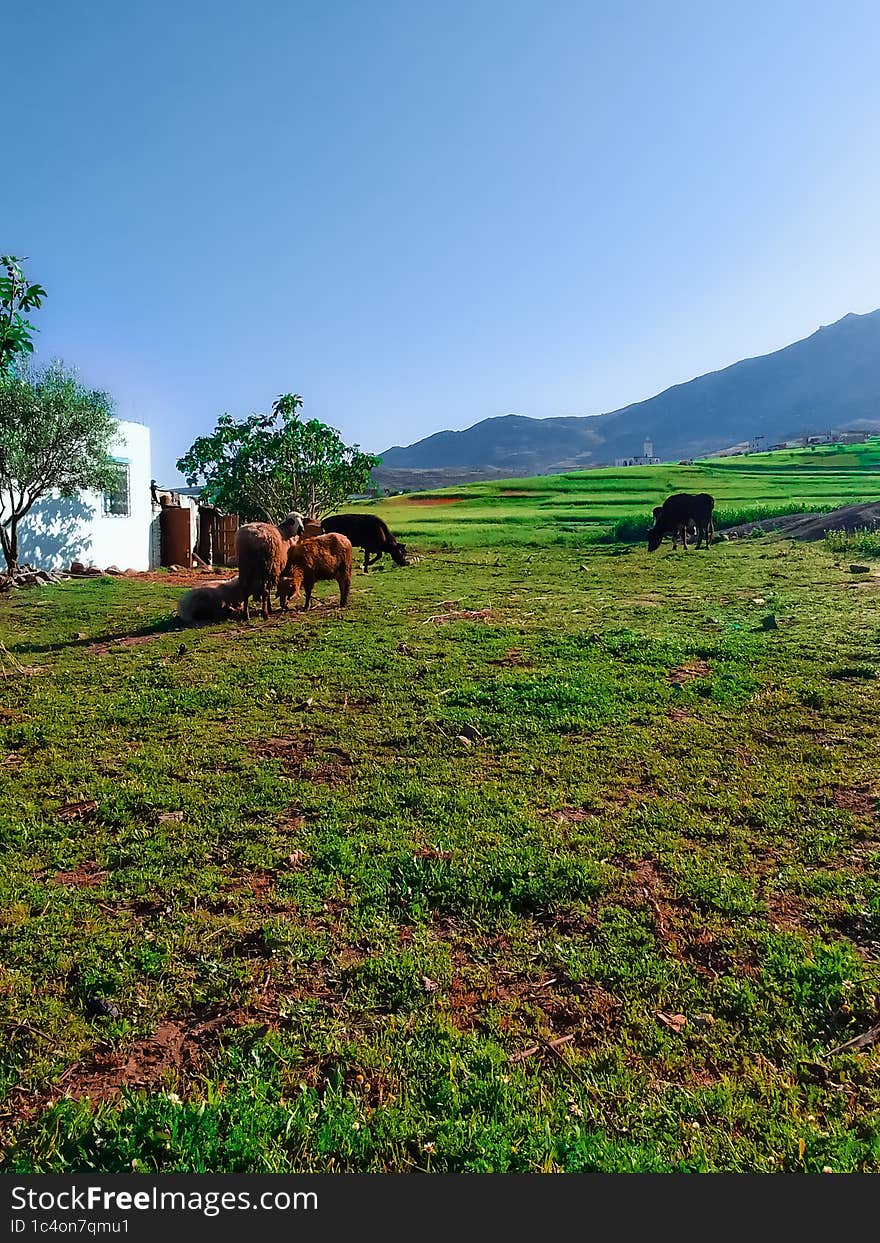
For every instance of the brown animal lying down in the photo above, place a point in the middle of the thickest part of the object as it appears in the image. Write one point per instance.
(311, 560)
(211, 603)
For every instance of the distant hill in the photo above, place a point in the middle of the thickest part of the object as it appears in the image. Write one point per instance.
(829, 381)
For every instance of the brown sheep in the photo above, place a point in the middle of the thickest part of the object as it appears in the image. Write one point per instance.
(210, 603)
(311, 560)
(262, 550)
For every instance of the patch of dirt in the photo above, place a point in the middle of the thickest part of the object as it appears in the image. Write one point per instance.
(687, 673)
(555, 1005)
(176, 1046)
(574, 815)
(85, 875)
(786, 911)
(260, 882)
(183, 578)
(709, 957)
(83, 810)
(647, 886)
(513, 658)
(302, 759)
(861, 800)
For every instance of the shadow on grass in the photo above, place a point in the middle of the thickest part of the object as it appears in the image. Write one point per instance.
(95, 642)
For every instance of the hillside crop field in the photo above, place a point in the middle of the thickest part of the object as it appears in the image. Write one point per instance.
(549, 856)
(566, 509)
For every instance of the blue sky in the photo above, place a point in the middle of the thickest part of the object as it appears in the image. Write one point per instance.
(420, 215)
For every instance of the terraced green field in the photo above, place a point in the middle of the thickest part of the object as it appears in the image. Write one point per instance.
(547, 857)
(564, 509)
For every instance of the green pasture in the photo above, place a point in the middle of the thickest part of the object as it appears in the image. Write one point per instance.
(539, 858)
(562, 509)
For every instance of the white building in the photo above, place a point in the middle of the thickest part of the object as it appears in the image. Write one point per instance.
(101, 529)
(645, 458)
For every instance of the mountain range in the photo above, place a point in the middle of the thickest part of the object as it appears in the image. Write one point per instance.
(829, 381)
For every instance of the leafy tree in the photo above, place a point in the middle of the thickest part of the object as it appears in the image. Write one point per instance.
(266, 465)
(55, 435)
(16, 296)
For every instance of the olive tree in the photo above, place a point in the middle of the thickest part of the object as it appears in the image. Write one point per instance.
(55, 436)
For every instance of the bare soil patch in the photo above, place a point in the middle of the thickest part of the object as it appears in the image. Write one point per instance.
(85, 875)
(177, 1046)
(861, 800)
(687, 673)
(303, 759)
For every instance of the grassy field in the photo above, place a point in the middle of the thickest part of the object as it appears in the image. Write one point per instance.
(566, 509)
(586, 880)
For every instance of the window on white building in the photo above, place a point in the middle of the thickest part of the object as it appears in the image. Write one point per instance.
(117, 500)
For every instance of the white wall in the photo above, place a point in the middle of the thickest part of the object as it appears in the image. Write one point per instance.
(58, 531)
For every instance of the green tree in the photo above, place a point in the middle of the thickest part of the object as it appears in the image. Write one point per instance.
(55, 436)
(16, 296)
(264, 466)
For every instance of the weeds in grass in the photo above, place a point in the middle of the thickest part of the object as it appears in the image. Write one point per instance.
(861, 543)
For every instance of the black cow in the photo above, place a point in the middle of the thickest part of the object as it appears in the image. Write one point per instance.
(680, 513)
(368, 532)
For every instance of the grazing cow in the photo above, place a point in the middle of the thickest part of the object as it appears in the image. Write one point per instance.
(678, 515)
(368, 532)
(679, 534)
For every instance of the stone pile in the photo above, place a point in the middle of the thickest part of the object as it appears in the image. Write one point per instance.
(27, 576)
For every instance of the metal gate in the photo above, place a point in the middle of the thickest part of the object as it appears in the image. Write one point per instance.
(216, 536)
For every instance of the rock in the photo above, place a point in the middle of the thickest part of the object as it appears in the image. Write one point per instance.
(113, 569)
(77, 567)
(860, 569)
(99, 1007)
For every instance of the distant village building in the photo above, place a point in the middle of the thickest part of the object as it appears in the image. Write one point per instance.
(645, 458)
(97, 528)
